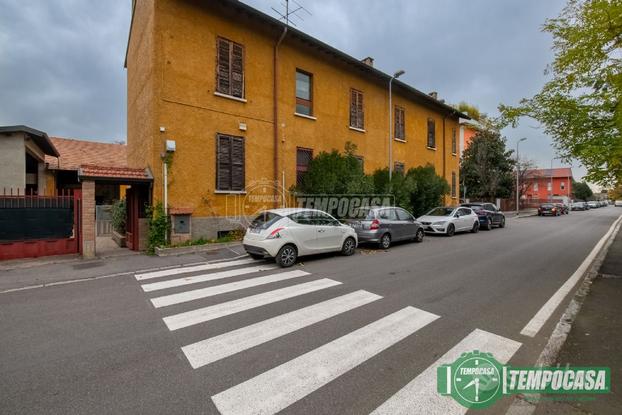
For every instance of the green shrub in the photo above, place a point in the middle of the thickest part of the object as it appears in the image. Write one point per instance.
(119, 216)
(159, 226)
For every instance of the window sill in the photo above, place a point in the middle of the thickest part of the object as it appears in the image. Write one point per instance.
(431, 148)
(230, 192)
(309, 117)
(401, 140)
(231, 97)
(454, 154)
(356, 129)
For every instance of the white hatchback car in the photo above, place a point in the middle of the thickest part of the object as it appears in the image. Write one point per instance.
(286, 234)
(449, 220)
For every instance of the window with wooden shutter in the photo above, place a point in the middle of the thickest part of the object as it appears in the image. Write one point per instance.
(357, 115)
(229, 68)
(229, 163)
(398, 167)
(304, 93)
(399, 128)
(453, 184)
(303, 158)
(431, 133)
(454, 145)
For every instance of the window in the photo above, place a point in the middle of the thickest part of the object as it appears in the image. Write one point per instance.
(431, 133)
(403, 215)
(562, 185)
(548, 186)
(453, 141)
(303, 158)
(535, 186)
(229, 163)
(400, 129)
(453, 184)
(398, 167)
(357, 116)
(387, 214)
(463, 211)
(304, 93)
(230, 68)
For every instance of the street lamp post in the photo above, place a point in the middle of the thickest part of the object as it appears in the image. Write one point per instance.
(395, 76)
(517, 173)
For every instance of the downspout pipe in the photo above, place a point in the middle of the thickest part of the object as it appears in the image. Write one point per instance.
(275, 106)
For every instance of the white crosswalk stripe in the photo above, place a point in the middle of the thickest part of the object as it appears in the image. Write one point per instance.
(184, 270)
(205, 314)
(216, 348)
(186, 296)
(205, 277)
(420, 395)
(280, 387)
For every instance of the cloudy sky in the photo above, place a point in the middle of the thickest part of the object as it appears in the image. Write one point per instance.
(61, 65)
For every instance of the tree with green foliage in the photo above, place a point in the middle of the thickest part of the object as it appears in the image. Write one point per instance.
(336, 173)
(580, 190)
(487, 167)
(581, 105)
(471, 110)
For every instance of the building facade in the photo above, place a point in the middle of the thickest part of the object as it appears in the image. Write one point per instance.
(549, 184)
(247, 101)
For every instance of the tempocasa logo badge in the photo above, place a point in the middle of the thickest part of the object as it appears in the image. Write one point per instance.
(478, 380)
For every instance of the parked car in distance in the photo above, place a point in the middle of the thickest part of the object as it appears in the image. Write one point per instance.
(579, 206)
(563, 208)
(618, 203)
(449, 220)
(383, 225)
(593, 204)
(487, 213)
(286, 234)
(548, 209)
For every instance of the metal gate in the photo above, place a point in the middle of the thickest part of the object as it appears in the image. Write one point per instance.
(34, 226)
(103, 220)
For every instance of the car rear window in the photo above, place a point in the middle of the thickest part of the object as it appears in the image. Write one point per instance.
(364, 213)
(265, 219)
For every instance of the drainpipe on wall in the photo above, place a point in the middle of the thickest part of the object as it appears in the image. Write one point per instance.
(276, 116)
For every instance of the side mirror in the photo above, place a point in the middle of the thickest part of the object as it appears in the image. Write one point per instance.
(457, 215)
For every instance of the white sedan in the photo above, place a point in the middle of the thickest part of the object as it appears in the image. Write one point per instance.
(286, 234)
(449, 220)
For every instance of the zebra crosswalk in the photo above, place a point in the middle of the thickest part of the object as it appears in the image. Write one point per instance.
(286, 383)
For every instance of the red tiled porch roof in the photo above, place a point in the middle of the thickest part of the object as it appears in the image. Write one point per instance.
(114, 173)
(74, 153)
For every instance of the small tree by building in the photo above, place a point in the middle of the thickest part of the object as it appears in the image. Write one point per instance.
(581, 191)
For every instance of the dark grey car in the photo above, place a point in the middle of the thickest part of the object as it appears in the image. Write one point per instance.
(383, 225)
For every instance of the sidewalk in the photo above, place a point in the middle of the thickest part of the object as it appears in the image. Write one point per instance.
(596, 338)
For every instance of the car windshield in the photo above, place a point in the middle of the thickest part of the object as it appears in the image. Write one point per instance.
(441, 211)
(547, 205)
(265, 219)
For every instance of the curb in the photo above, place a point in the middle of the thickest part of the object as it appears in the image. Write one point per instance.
(183, 250)
(548, 356)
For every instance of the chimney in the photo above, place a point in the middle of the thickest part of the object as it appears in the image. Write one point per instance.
(368, 61)
(433, 94)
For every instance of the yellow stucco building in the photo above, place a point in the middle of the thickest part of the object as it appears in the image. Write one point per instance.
(205, 75)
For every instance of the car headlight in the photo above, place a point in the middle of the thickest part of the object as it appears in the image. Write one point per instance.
(438, 224)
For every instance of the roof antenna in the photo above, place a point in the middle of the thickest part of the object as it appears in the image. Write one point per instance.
(284, 16)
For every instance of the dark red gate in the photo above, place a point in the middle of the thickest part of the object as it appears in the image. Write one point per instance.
(35, 226)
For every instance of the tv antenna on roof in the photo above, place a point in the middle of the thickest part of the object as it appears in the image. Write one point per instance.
(296, 11)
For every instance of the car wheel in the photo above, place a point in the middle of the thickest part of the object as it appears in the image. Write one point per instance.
(489, 225)
(475, 227)
(256, 256)
(502, 223)
(287, 255)
(385, 241)
(419, 235)
(348, 246)
(451, 230)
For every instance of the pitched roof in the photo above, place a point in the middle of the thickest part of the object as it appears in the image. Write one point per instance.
(39, 137)
(556, 172)
(112, 173)
(74, 153)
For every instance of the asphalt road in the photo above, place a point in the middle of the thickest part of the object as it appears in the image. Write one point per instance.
(101, 346)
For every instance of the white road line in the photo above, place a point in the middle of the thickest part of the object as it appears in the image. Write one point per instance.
(184, 270)
(224, 288)
(204, 278)
(535, 324)
(420, 395)
(280, 387)
(216, 348)
(202, 315)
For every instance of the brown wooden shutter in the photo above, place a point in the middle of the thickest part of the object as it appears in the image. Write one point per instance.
(237, 163)
(431, 133)
(237, 70)
(361, 114)
(223, 64)
(353, 117)
(223, 162)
